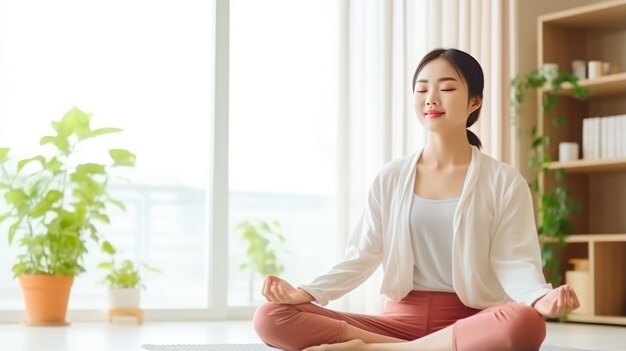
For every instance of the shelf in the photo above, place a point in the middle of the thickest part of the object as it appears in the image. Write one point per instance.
(590, 166)
(594, 32)
(586, 238)
(612, 84)
(621, 320)
(608, 15)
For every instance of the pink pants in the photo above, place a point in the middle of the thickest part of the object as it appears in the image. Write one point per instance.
(505, 327)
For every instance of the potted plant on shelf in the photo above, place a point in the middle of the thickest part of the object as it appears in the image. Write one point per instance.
(263, 239)
(55, 201)
(123, 277)
(555, 205)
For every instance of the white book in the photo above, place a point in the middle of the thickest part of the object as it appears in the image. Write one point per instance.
(592, 139)
(617, 141)
(610, 136)
(604, 128)
(586, 146)
(596, 138)
(621, 134)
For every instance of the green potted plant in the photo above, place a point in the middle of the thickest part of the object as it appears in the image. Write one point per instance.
(263, 239)
(123, 278)
(555, 206)
(55, 202)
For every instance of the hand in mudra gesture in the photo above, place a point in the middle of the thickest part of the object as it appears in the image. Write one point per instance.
(557, 302)
(278, 290)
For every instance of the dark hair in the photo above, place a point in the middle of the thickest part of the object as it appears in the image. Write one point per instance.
(472, 73)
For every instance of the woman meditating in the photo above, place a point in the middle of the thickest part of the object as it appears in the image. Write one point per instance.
(455, 233)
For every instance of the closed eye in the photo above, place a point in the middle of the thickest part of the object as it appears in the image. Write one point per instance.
(448, 89)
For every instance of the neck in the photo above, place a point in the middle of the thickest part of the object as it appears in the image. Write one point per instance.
(447, 151)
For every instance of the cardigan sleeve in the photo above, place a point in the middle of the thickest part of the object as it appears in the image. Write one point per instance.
(515, 252)
(362, 256)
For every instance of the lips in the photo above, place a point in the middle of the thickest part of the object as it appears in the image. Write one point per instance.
(434, 113)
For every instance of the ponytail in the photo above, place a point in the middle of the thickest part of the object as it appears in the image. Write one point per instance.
(473, 139)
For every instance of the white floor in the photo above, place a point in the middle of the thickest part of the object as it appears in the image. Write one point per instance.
(122, 335)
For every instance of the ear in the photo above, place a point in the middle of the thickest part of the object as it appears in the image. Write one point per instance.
(475, 103)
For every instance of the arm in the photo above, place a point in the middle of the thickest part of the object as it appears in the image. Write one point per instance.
(516, 258)
(515, 253)
(363, 254)
(362, 257)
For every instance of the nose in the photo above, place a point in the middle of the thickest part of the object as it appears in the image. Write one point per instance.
(432, 99)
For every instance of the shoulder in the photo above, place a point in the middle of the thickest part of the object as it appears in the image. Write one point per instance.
(393, 173)
(397, 168)
(499, 173)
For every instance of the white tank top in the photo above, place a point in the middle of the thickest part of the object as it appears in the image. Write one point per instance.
(431, 237)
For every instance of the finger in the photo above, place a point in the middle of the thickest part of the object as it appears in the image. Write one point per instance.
(283, 295)
(560, 299)
(269, 291)
(276, 294)
(575, 298)
(553, 306)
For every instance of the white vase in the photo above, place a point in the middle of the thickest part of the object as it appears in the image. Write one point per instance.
(124, 297)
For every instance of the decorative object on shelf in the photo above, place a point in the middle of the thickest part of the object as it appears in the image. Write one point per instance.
(263, 240)
(54, 203)
(555, 206)
(595, 69)
(580, 280)
(568, 151)
(579, 68)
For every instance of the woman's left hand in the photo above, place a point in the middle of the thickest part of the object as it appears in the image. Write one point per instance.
(557, 302)
(352, 345)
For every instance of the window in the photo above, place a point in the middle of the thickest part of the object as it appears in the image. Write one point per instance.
(143, 66)
(283, 131)
(148, 67)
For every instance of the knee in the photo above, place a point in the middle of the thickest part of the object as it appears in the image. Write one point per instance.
(526, 328)
(268, 319)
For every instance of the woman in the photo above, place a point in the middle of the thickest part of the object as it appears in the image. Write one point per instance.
(455, 233)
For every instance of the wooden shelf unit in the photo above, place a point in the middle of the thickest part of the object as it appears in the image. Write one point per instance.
(590, 166)
(611, 84)
(595, 32)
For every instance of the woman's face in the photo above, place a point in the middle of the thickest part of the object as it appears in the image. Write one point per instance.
(441, 98)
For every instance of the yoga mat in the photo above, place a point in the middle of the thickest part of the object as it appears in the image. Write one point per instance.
(261, 347)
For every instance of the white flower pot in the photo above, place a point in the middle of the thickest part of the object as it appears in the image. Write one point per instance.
(124, 297)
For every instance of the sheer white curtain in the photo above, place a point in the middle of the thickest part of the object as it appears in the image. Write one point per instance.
(385, 41)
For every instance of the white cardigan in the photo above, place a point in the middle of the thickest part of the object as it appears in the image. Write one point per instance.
(496, 256)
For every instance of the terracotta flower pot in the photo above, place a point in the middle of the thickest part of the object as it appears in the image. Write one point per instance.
(46, 298)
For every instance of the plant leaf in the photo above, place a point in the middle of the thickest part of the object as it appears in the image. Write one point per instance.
(60, 142)
(108, 248)
(4, 153)
(100, 131)
(122, 157)
(75, 122)
(22, 163)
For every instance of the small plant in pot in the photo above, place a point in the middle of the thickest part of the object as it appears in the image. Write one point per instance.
(123, 277)
(54, 203)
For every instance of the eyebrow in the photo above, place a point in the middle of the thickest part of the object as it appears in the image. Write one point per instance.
(440, 79)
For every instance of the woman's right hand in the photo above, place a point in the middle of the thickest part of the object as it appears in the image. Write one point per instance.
(278, 290)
